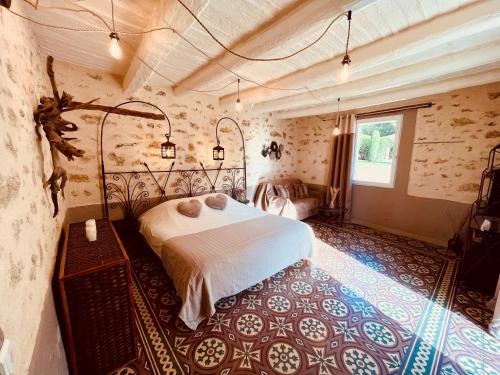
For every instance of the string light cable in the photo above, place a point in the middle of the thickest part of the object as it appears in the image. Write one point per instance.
(305, 88)
(262, 58)
(171, 81)
(239, 76)
(168, 28)
(311, 44)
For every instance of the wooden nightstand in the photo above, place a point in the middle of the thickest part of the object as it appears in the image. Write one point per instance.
(96, 296)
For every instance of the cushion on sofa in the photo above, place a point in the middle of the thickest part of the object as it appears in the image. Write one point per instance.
(306, 206)
(282, 191)
(300, 190)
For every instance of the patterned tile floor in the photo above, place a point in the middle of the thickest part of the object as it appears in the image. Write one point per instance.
(357, 308)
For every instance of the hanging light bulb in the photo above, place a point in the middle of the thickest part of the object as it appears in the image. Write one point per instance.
(336, 131)
(345, 73)
(238, 105)
(114, 48)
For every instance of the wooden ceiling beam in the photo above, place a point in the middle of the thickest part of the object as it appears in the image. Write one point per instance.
(432, 68)
(156, 47)
(472, 18)
(401, 94)
(290, 23)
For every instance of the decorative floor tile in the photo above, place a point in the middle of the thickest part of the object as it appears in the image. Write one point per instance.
(368, 303)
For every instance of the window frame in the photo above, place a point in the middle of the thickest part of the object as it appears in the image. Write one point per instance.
(399, 126)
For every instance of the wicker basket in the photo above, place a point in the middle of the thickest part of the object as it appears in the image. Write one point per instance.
(97, 301)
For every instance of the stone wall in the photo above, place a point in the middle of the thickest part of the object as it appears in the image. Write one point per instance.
(452, 171)
(435, 182)
(449, 171)
(130, 141)
(29, 234)
(313, 137)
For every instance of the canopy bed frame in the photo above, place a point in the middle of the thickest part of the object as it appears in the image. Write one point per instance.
(128, 190)
(216, 253)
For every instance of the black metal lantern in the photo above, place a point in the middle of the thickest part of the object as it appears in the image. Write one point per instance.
(218, 152)
(168, 149)
(5, 3)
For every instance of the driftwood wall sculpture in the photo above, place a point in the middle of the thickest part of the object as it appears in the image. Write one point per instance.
(48, 116)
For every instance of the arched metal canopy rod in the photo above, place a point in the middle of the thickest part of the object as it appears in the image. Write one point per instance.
(101, 145)
(242, 141)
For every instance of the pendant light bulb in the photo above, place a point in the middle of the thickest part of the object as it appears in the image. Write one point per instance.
(336, 131)
(346, 72)
(114, 47)
(238, 105)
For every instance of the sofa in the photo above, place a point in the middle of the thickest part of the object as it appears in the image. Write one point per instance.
(267, 199)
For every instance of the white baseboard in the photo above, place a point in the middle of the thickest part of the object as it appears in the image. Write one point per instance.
(433, 241)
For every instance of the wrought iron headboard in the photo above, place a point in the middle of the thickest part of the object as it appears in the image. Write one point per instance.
(131, 190)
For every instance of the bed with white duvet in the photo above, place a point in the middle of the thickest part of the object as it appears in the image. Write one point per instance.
(221, 252)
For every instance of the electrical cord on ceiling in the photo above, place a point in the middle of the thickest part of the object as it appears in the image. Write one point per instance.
(78, 11)
(304, 88)
(67, 28)
(113, 15)
(260, 58)
(202, 25)
(160, 74)
(169, 79)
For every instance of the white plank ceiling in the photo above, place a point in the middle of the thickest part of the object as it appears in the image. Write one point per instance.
(431, 44)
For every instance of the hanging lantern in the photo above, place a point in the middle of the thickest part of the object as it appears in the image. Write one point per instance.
(168, 149)
(218, 152)
(5, 3)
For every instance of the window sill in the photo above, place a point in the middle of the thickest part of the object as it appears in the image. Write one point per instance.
(374, 184)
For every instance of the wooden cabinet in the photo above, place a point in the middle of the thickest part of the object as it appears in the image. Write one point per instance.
(97, 300)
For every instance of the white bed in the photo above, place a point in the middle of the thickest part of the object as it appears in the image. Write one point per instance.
(221, 253)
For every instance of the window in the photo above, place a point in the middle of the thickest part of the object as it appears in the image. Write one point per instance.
(376, 151)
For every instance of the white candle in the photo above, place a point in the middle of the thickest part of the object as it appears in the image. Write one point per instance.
(91, 230)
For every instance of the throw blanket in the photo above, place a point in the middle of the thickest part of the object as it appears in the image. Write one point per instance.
(221, 262)
(266, 200)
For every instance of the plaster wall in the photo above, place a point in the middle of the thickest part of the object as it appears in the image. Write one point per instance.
(29, 235)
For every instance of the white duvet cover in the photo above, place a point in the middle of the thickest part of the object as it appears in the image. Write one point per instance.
(221, 253)
(163, 222)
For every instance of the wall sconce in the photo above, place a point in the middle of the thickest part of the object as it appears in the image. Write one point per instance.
(168, 148)
(273, 151)
(218, 152)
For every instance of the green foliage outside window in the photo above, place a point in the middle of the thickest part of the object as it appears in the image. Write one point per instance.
(376, 142)
(374, 145)
(384, 128)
